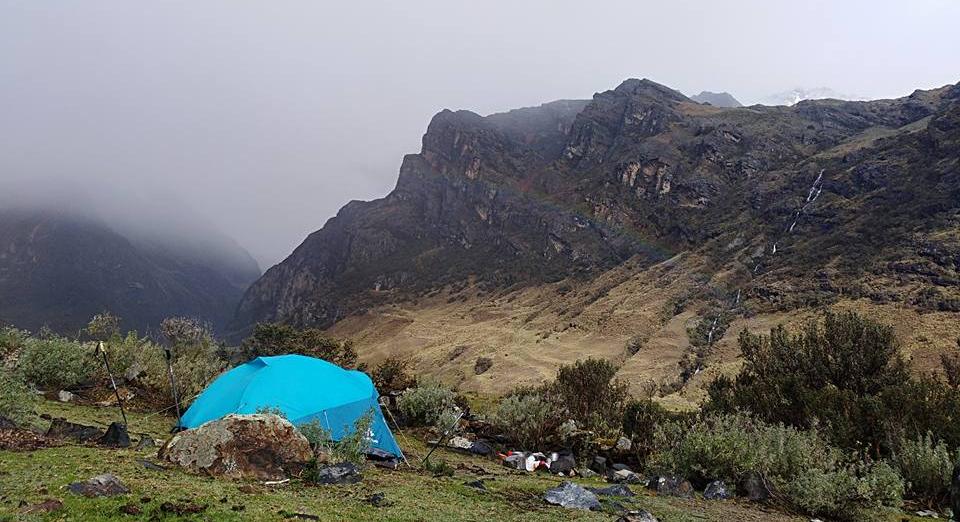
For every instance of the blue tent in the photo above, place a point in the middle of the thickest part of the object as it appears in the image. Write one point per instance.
(303, 388)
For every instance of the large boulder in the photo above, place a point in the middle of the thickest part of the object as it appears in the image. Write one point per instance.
(260, 446)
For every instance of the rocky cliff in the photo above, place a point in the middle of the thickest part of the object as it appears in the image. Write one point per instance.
(787, 206)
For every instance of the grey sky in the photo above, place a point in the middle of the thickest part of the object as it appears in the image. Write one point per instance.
(267, 116)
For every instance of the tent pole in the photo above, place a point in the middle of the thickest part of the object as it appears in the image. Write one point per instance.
(106, 362)
(442, 438)
(173, 382)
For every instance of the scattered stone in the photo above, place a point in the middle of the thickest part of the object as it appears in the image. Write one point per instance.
(47, 506)
(641, 515)
(671, 486)
(754, 486)
(106, 485)
(65, 396)
(716, 490)
(564, 464)
(145, 442)
(477, 484)
(572, 496)
(481, 448)
(461, 443)
(623, 444)
(62, 429)
(625, 476)
(7, 424)
(299, 514)
(599, 464)
(150, 465)
(344, 473)
(621, 467)
(927, 513)
(181, 509)
(585, 472)
(259, 446)
(617, 490)
(116, 436)
(130, 509)
(378, 500)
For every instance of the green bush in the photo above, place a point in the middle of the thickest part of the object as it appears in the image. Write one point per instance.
(352, 447)
(393, 375)
(926, 465)
(12, 342)
(280, 339)
(529, 419)
(845, 493)
(640, 421)
(425, 404)
(17, 400)
(727, 446)
(195, 361)
(55, 362)
(592, 395)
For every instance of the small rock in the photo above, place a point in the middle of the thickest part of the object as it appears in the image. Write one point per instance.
(345, 473)
(116, 436)
(481, 448)
(564, 464)
(672, 486)
(641, 515)
(625, 476)
(572, 496)
(621, 467)
(7, 424)
(378, 500)
(624, 444)
(299, 515)
(62, 429)
(65, 396)
(585, 472)
(477, 484)
(106, 485)
(926, 513)
(617, 490)
(716, 490)
(150, 465)
(47, 506)
(145, 442)
(130, 509)
(599, 464)
(461, 443)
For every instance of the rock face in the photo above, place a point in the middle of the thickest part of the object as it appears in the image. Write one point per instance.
(58, 269)
(263, 447)
(571, 189)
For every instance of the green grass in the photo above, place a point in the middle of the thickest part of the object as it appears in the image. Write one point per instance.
(415, 495)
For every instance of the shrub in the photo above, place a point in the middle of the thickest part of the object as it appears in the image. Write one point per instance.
(352, 447)
(56, 363)
(17, 400)
(195, 361)
(103, 326)
(280, 339)
(844, 494)
(393, 375)
(591, 394)
(837, 374)
(640, 420)
(424, 405)
(528, 419)
(12, 342)
(726, 446)
(926, 466)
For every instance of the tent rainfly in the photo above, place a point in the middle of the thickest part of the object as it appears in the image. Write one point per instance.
(303, 388)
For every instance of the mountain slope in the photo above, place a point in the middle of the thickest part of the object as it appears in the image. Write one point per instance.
(717, 99)
(775, 210)
(58, 269)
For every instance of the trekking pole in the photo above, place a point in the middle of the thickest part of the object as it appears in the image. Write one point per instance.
(442, 438)
(113, 382)
(173, 382)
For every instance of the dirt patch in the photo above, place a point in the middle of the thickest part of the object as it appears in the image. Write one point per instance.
(16, 439)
